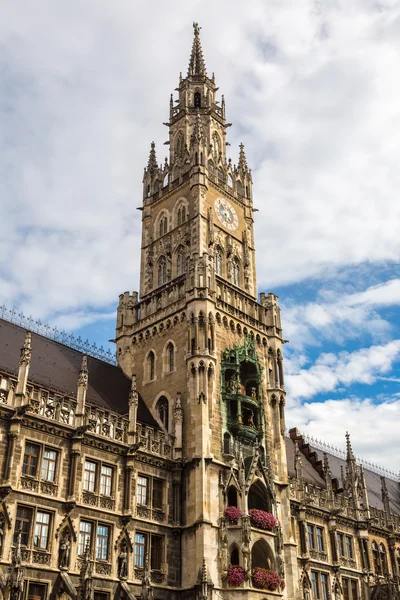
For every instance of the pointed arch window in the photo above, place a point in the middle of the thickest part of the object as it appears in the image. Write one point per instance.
(181, 215)
(162, 271)
(236, 272)
(163, 411)
(383, 557)
(171, 357)
(163, 229)
(151, 360)
(197, 100)
(218, 261)
(376, 558)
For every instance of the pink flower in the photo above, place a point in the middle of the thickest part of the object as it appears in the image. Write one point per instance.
(266, 580)
(262, 519)
(235, 575)
(232, 514)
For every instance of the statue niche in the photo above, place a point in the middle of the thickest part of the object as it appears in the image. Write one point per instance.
(241, 390)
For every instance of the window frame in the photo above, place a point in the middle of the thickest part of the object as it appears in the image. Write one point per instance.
(40, 526)
(28, 538)
(146, 546)
(139, 490)
(317, 585)
(41, 458)
(30, 583)
(94, 536)
(26, 466)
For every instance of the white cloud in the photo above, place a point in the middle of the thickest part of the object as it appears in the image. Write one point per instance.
(339, 316)
(309, 88)
(331, 370)
(369, 424)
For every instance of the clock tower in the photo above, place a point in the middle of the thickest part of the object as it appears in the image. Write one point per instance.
(206, 351)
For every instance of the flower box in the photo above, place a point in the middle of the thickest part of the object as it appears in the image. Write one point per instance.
(232, 514)
(264, 579)
(236, 575)
(262, 519)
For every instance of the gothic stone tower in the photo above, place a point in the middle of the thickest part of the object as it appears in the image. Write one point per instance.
(206, 353)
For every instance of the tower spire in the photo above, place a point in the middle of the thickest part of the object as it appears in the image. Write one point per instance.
(197, 66)
(242, 165)
(152, 162)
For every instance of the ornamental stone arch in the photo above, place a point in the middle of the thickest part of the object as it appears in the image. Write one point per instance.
(180, 211)
(262, 554)
(161, 224)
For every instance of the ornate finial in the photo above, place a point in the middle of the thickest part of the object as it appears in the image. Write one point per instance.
(242, 165)
(350, 455)
(204, 571)
(26, 352)
(83, 373)
(152, 162)
(325, 466)
(197, 65)
(133, 394)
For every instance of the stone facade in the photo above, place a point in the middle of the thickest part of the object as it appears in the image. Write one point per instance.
(170, 476)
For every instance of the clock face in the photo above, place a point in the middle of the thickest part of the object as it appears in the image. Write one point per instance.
(226, 214)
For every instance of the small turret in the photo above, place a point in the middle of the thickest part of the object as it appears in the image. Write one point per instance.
(152, 178)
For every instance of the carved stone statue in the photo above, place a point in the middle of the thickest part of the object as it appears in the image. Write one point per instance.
(64, 551)
(123, 562)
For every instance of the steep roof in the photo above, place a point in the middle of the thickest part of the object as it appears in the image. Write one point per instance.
(57, 366)
(372, 479)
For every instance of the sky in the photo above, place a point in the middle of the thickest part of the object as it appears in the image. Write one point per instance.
(311, 89)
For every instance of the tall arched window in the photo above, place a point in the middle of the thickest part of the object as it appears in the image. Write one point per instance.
(163, 225)
(163, 411)
(162, 270)
(181, 215)
(235, 556)
(197, 100)
(151, 360)
(376, 558)
(180, 260)
(236, 272)
(171, 357)
(218, 261)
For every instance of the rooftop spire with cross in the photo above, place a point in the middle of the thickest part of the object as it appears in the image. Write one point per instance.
(197, 66)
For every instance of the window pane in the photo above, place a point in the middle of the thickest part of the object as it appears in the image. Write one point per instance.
(89, 476)
(340, 544)
(36, 591)
(85, 531)
(345, 586)
(49, 465)
(23, 522)
(157, 493)
(314, 582)
(41, 535)
(324, 586)
(354, 589)
(106, 480)
(140, 547)
(31, 455)
(102, 542)
(156, 552)
(310, 535)
(320, 539)
(349, 551)
(141, 491)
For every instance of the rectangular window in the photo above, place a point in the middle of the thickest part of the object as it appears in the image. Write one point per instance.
(23, 522)
(314, 583)
(354, 589)
(36, 591)
(324, 586)
(85, 535)
(101, 596)
(156, 552)
(31, 457)
(349, 546)
(41, 535)
(102, 542)
(106, 480)
(339, 537)
(49, 465)
(141, 490)
(89, 476)
(319, 532)
(158, 493)
(310, 535)
(140, 549)
(346, 588)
